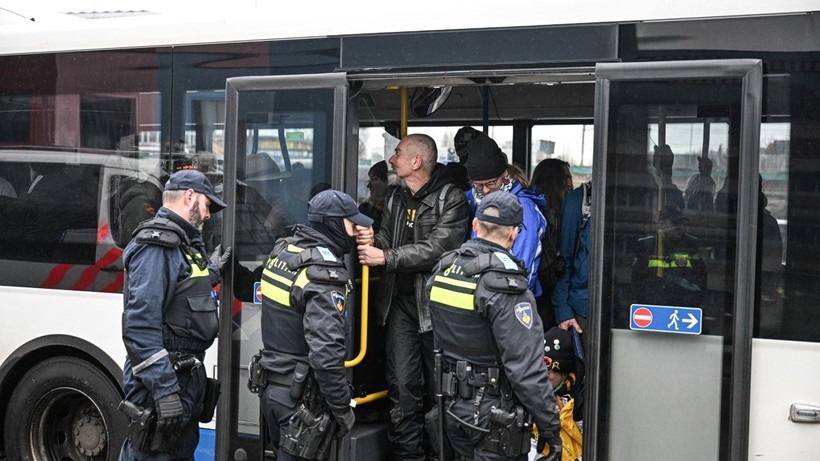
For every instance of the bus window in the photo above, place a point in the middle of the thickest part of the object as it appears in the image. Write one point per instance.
(54, 217)
(571, 143)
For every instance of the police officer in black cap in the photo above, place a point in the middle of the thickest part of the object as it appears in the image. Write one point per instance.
(169, 320)
(305, 291)
(493, 375)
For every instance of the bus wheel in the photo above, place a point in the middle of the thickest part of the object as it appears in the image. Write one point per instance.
(64, 408)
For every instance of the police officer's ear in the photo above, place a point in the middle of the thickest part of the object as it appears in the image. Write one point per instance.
(475, 225)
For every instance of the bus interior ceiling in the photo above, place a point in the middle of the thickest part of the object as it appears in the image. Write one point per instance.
(564, 95)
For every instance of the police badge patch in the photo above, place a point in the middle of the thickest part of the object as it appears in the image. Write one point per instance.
(338, 301)
(523, 312)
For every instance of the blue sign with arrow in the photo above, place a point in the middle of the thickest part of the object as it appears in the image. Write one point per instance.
(666, 319)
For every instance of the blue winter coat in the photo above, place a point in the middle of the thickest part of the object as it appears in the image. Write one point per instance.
(570, 297)
(527, 246)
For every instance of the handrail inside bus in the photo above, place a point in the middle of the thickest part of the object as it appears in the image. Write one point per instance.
(363, 314)
(370, 398)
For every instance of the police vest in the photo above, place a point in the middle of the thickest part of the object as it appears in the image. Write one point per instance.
(190, 319)
(460, 325)
(286, 273)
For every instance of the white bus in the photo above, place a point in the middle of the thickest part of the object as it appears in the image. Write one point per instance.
(276, 101)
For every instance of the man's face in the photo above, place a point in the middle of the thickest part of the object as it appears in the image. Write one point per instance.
(402, 159)
(487, 186)
(200, 211)
(377, 186)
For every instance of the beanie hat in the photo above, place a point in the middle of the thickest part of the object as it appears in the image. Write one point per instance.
(485, 160)
(558, 351)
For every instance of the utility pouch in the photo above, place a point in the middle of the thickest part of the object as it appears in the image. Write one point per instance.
(431, 422)
(257, 378)
(300, 375)
(509, 432)
(463, 369)
(308, 436)
(212, 390)
(449, 385)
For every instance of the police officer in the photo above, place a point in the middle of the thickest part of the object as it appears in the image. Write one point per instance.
(169, 320)
(493, 375)
(668, 269)
(304, 295)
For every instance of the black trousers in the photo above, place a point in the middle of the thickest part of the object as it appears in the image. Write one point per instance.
(409, 381)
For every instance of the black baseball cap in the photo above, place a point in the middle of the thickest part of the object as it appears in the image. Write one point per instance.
(198, 182)
(332, 203)
(510, 212)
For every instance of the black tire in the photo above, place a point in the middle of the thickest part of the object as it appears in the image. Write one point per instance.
(64, 409)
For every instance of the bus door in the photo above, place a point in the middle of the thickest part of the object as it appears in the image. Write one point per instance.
(672, 268)
(284, 141)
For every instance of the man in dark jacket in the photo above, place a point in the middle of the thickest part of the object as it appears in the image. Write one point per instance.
(423, 219)
(170, 318)
(492, 343)
(305, 288)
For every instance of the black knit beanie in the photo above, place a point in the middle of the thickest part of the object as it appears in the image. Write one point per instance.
(484, 159)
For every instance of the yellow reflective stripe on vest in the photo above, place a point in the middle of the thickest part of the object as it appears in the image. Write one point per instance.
(294, 249)
(302, 279)
(673, 261)
(275, 292)
(195, 270)
(452, 298)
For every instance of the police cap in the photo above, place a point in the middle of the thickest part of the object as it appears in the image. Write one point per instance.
(198, 182)
(332, 203)
(510, 212)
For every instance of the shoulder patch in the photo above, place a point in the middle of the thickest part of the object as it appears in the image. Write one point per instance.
(338, 300)
(509, 264)
(523, 312)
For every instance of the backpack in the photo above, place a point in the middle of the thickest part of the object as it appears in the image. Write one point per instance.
(552, 265)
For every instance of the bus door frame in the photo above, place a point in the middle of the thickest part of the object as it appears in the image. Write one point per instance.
(342, 169)
(750, 71)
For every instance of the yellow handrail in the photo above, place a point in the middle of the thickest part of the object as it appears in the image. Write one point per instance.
(363, 313)
(370, 397)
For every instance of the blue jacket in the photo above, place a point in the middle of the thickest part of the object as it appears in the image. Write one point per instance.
(570, 297)
(152, 275)
(527, 246)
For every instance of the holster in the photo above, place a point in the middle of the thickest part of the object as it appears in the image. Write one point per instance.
(309, 436)
(142, 427)
(212, 390)
(510, 432)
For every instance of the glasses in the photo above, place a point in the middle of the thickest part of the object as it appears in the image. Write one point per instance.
(490, 185)
(520, 227)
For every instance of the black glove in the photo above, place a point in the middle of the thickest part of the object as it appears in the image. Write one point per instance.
(345, 418)
(169, 414)
(553, 440)
(221, 257)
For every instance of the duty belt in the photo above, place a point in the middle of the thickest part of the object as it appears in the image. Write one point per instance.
(285, 379)
(458, 377)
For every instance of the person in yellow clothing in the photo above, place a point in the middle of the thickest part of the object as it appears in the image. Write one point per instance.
(566, 374)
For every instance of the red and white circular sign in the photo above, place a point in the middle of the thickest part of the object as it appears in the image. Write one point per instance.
(642, 317)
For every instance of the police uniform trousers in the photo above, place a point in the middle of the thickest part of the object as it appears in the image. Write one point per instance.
(191, 394)
(409, 379)
(466, 441)
(279, 407)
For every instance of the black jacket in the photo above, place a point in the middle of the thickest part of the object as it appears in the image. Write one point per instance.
(310, 328)
(506, 308)
(442, 224)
